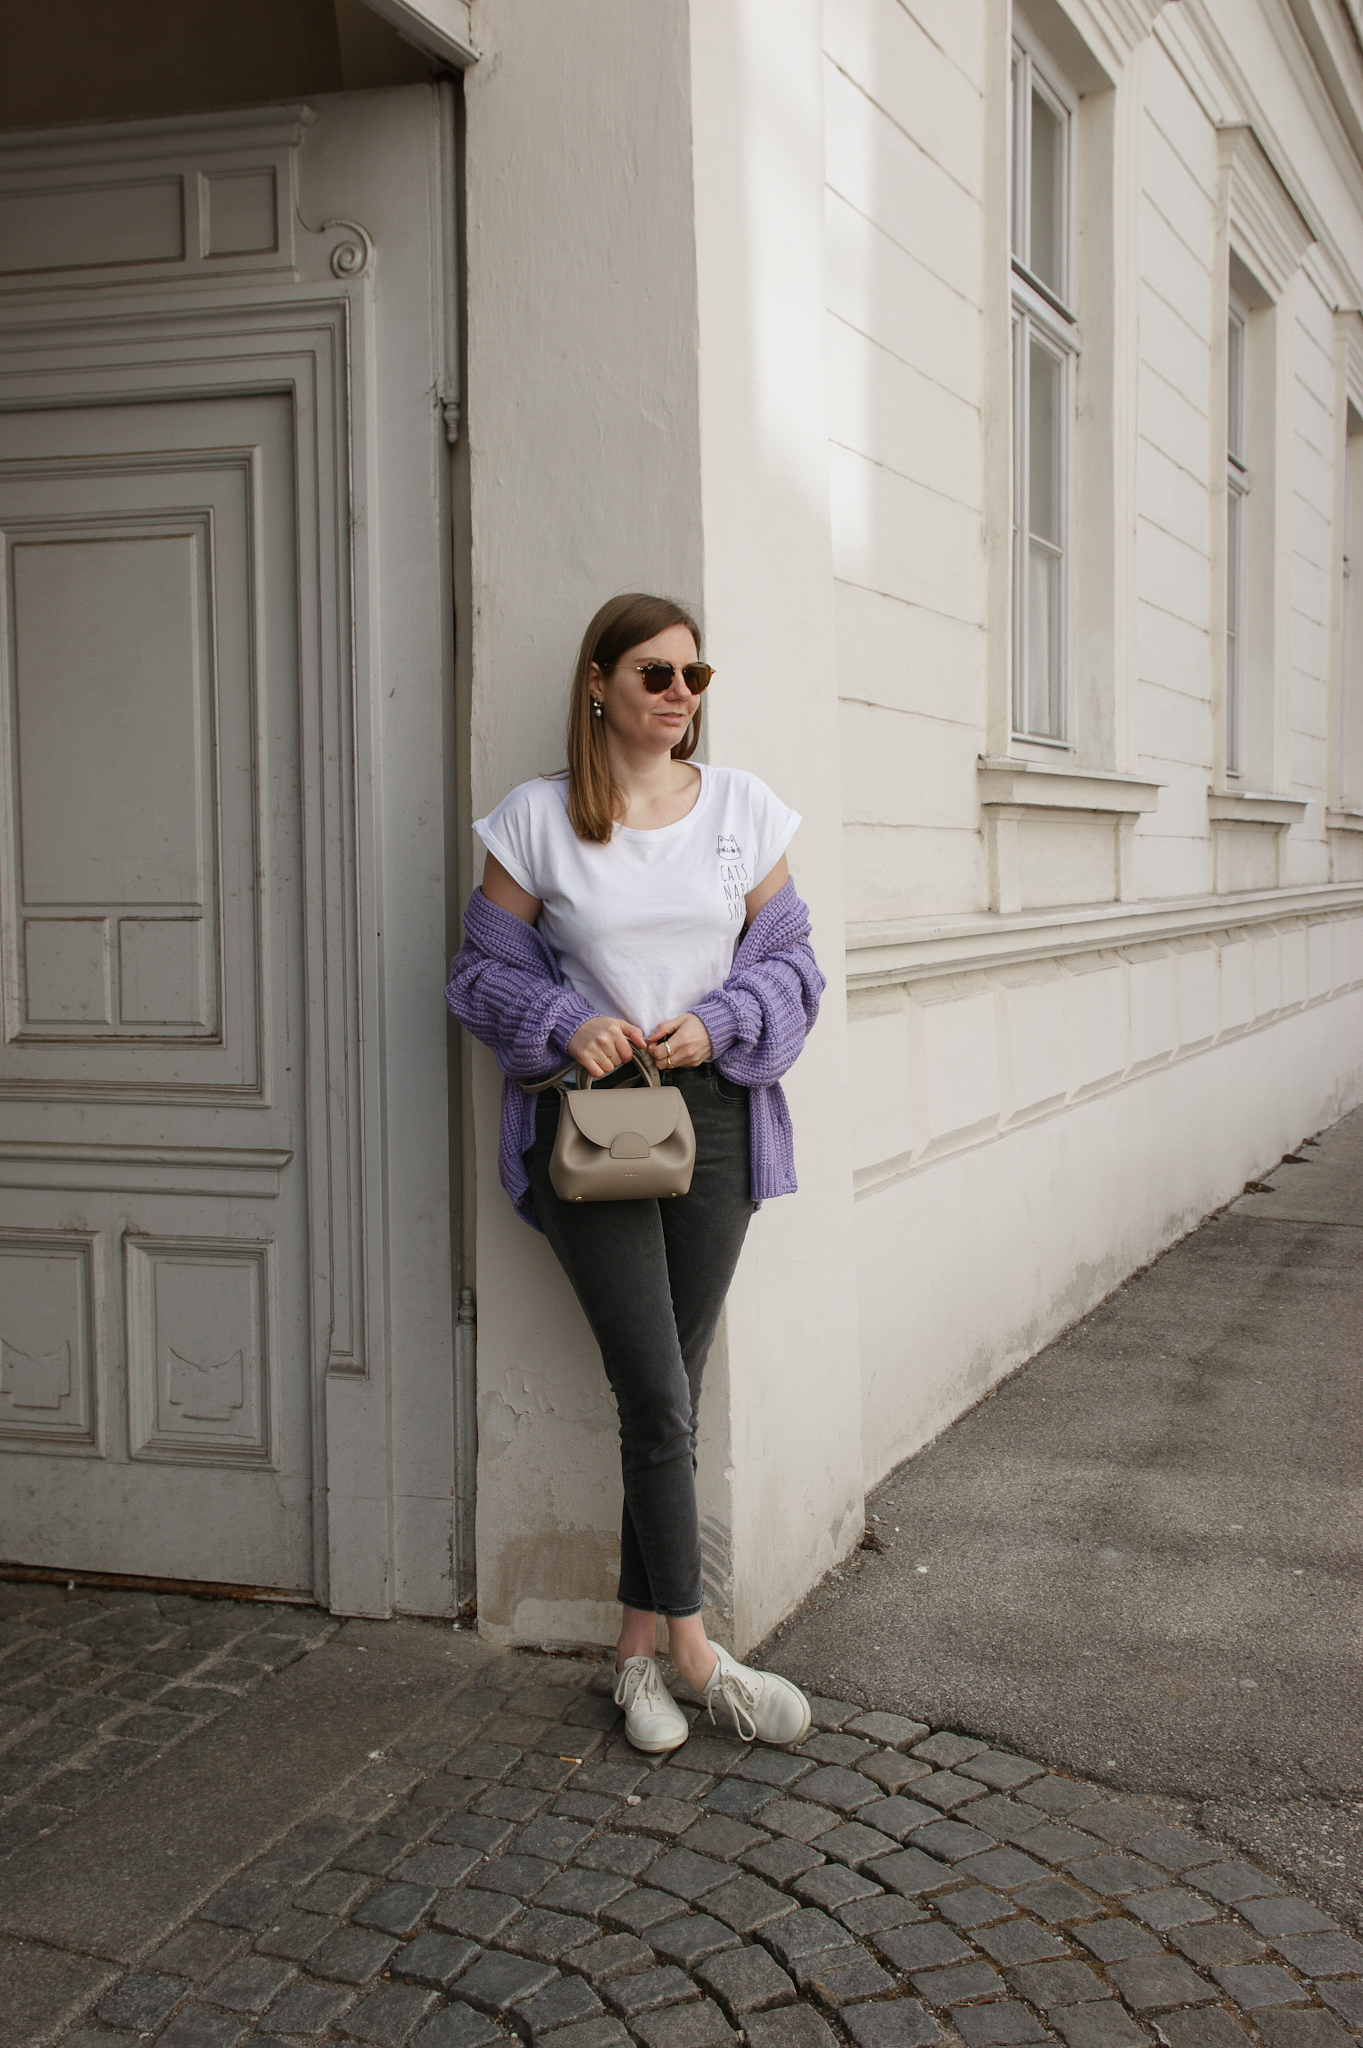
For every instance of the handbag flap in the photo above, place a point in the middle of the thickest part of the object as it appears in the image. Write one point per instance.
(601, 1115)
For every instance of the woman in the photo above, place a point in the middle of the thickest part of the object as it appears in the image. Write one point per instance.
(641, 903)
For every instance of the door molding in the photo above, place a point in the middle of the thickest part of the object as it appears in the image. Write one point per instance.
(98, 339)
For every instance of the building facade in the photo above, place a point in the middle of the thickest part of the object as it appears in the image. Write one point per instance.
(989, 377)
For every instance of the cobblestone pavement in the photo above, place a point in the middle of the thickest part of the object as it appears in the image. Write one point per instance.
(511, 1869)
(96, 1685)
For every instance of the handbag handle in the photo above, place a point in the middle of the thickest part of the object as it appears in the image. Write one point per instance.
(643, 1061)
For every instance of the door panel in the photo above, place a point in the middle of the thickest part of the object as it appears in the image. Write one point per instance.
(127, 722)
(155, 1380)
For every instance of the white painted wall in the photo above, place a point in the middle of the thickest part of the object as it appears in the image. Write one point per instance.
(1068, 1089)
(646, 410)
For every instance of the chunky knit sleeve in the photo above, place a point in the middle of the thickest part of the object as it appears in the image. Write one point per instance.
(506, 989)
(759, 1019)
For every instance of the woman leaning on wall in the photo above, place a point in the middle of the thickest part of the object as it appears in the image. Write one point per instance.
(637, 921)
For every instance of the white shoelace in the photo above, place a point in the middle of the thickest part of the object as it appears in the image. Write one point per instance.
(739, 1696)
(640, 1678)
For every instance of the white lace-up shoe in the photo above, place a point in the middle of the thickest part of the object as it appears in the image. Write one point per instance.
(763, 1707)
(653, 1720)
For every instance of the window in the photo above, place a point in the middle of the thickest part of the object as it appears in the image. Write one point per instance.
(1348, 777)
(1045, 361)
(1237, 494)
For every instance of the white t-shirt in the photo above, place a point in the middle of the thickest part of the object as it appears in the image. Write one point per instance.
(646, 925)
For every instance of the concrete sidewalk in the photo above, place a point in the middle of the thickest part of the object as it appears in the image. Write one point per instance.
(1141, 1558)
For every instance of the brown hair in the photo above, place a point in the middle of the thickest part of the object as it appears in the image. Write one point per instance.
(594, 799)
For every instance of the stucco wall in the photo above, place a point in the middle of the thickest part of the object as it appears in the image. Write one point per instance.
(646, 410)
(583, 454)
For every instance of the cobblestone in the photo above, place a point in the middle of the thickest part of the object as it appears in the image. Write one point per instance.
(604, 2031)
(612, 1955)
(250, 1984)
(1210, 2026)
(1098, 2026)
(963, 1981)
(976, 1906)
(352, 1954)
(1172, 1907)
(839, 1979)
(294, 1936)
(855, 1844)
(646, 1990)
(641, 1908)
(832, 1885)
(689, 1940)
(745, 1904)
(200, 2026)
(1048, 1985)
(796, 2026)
(1003, 2024)
(1114, 1941)
(141, 2003)
(1253, 1985)
(570, 1999)
(307, 2008)
(1322, 1955)
(1156, 1983)
(396, 1909)
(684, 2026)
(389, 2016)
(1223, 1941)
(781, 1860)
(1020, 1941)
(435, 1959)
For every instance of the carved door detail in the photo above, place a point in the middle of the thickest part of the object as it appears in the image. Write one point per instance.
(155, 1383)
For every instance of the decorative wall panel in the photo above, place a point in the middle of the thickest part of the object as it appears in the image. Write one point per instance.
(47, 1341)
(150, 202)
(200, 1365)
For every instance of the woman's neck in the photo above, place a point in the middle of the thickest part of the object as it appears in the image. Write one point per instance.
(657, 790)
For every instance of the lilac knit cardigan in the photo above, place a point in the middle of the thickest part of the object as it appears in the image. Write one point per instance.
(505, 987)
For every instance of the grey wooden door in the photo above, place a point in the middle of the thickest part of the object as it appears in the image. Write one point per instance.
(156, 1412)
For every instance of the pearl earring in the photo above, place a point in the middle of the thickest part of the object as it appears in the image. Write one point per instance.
(596, 707)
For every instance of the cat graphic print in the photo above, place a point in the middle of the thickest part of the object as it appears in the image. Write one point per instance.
(735, 874)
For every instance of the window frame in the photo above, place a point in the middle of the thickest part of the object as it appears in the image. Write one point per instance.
(1238, 485)
(1347, 776)
(1042, 317)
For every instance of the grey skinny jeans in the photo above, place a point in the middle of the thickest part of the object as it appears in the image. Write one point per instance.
(651, 1277)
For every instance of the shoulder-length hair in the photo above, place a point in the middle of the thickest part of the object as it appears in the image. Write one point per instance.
(595, 801)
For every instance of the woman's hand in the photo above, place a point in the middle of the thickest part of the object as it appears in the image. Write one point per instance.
(680, 1042)
(604, 1043)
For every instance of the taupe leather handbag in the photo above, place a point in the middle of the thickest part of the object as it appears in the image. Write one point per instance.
(620, 1144)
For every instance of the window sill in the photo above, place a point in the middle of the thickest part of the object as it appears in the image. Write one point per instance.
(1344, 821)
(1253, 807)
(1249, 837)
(1046, 785)
(1055, 833)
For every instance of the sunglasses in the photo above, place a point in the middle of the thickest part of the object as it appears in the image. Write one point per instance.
(657, 676)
